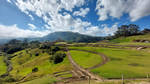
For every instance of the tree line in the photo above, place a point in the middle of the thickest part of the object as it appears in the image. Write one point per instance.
(128, 30)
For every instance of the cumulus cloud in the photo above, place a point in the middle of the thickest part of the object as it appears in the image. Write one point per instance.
(82, 12)
(116, 8)
(15, 32)
(56, 19)
(49, 10)
(103, 31)
(32, 26)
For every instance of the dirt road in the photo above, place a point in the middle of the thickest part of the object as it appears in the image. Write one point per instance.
(79, 71)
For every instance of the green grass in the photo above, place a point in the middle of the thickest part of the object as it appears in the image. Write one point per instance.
(131, 38)
(42, 62)
(131, 63)
(85, 59)
(111, 82)
(43, 80)
(3, 66)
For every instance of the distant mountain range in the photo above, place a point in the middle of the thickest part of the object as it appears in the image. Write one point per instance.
(70, 36)
(66, 36)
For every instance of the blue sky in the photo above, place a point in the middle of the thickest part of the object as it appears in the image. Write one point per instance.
(37, 18)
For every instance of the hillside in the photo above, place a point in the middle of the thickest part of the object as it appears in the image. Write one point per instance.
(70, 36)
(134, 40)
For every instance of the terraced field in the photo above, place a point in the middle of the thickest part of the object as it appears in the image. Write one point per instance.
(26, 60)
(42, 80)
(3, 66)
(131, 63)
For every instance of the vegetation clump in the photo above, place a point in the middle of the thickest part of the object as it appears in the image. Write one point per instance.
(35, 69)
(36, 54)
(57, 57)
(55, 49)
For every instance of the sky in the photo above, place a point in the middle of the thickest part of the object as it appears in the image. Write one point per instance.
(38, 18)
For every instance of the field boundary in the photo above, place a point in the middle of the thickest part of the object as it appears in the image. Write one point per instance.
(79, 70)
(105, 58)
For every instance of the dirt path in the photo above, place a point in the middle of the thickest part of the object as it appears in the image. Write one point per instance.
(105, 59)
(80, 72)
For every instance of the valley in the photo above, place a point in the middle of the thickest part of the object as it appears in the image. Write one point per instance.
(116, 61)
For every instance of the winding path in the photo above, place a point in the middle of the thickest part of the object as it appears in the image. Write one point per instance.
(105, 59)
(80, 71)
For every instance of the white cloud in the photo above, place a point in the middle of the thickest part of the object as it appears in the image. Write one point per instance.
(103, 31)
(82, 12)
(116, 8)
(15, 32)
(110, 30)
(49, 11)
(31, 17)
(8, 1)
(32, 26)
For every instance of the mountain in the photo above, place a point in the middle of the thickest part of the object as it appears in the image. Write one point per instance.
(70, 36)
(65, 36)
(3, 41)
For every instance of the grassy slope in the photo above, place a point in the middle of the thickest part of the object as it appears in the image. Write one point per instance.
(131, 63)
(130, 39)
(85, 59)
(43, 80)
(3, 66)
(42, 62)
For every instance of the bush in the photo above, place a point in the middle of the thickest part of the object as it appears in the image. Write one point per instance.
(45, 46)
(35, 69)
(57, 57)
(14, 49)
(55, 49)
(36, 54)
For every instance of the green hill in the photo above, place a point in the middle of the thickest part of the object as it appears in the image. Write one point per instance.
(137, 39)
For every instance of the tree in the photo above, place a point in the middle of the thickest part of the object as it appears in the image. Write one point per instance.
(127, 30)
(55, 49)
(35, 69)
(57, 57)
(145, 31)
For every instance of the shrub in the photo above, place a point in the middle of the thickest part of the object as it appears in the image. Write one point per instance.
(36, 54)
(14, 49)
(57, 57)
(35, 69)
(45, 46)
(55, 49)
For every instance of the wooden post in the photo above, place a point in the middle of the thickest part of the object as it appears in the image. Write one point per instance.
(89, 79)
(147, 76)
(122, 79)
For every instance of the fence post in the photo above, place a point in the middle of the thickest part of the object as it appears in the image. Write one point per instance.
(89, 79)
(122, 79)
(147, 76)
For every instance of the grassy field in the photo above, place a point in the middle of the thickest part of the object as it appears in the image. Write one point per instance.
(112, 82)
(131, 63)
(131, 38)
(3, 66)
(43, 80)
(85, 59)
(25, 61)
